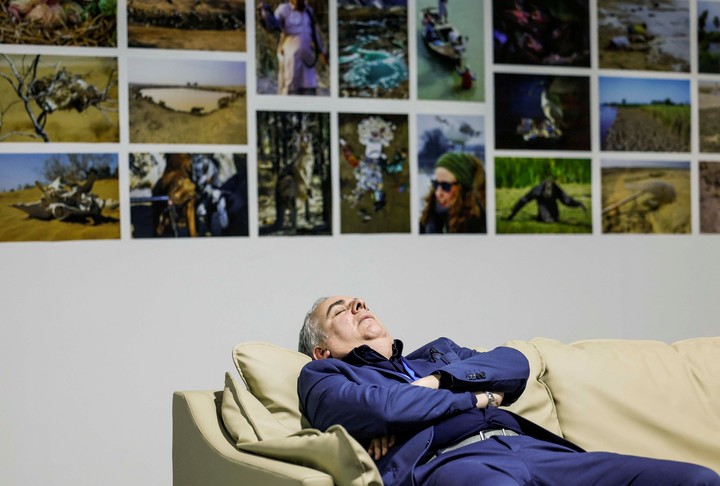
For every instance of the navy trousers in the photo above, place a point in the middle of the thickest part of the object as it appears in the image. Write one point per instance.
(501, 461)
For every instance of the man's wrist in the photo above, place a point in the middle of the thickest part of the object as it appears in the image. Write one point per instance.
(491, 403)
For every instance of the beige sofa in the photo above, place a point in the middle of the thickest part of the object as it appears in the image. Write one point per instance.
(636, 397)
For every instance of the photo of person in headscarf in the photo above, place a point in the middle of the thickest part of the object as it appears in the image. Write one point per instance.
(455, 202)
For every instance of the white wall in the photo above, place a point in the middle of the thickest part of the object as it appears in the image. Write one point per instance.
(95, 337)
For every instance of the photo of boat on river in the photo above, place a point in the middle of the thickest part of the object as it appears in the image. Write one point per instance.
(645, 115)
(450, 54)
(185, 101)
(373, 49)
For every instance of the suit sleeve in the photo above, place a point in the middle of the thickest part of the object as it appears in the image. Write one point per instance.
(501, 369)
(370, 405)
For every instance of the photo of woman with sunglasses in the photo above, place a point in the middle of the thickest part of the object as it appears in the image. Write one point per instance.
(455, 202)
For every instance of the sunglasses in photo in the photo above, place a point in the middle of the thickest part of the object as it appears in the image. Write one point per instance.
(444, 186)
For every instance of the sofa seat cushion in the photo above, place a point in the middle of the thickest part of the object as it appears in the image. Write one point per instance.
(638, 397)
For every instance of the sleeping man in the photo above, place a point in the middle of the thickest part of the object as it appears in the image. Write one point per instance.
(432, 417)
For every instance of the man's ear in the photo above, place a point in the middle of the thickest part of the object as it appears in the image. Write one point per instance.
(320, 353)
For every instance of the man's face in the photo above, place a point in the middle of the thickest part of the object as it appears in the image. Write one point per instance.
(348, 323)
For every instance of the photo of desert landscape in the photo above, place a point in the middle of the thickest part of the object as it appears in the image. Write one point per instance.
(204, 25)
(187, 101)
(58, 99)
(56, 197)
(644, 114)
(647, 35)
(709, 115)
(645, 196)
(709, 197)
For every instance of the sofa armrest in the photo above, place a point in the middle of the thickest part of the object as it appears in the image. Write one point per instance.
(204, 455)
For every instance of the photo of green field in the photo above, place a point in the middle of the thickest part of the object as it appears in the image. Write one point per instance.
(644, 114)
(640, 196)
(543, 195)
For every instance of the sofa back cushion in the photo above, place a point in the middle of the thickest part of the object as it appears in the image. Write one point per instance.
(271, 374)
(638, 397)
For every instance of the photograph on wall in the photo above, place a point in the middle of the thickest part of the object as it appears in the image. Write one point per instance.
(84, 23)
(57, 197)
(58, 99)
(645, 35)
(543, 195)
(709, 115)
(450, 50)
(187, 24)
(708, 36)
(644, 114)
(176, 195)
(292, 47)
(187, 101)
(709, 197)
(294, 177)
(374, 173)
(451, 174)
(373, 49)
(542, 32)
(542, 112)
(645, 196)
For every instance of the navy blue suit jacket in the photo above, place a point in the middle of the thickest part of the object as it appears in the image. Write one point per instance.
(372, 401)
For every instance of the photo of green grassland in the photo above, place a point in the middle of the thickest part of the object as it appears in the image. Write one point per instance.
(647, 35)
(58, 99)
(709, 115)
(518, 194)
(708, 36)
(645, 196)
(644, 114)
(709, 197)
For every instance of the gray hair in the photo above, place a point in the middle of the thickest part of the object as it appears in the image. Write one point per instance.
(312, 332)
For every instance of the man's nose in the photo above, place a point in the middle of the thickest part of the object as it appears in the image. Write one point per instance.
(358, 304)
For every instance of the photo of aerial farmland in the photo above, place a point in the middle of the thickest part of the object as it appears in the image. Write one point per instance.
(186, 101)
(708, 36)
(56, 197)
(643, 114)
(206, 25)
(58, 99)
(645, 196)
(647, 35)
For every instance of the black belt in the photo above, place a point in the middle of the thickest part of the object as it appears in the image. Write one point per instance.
(480, 436)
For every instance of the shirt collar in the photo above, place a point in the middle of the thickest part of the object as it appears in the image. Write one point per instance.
(364, 354)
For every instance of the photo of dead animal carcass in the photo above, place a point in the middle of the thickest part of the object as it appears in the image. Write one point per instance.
(204, 25)
(57, 197)
(645, 196)
(188, 195)
(85, 23)
(58, 99)
(294, 183)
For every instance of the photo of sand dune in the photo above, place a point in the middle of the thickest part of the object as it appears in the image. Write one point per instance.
(68, 99)
(641, 196)
(56, 197)
(709, 197)
(187, 101)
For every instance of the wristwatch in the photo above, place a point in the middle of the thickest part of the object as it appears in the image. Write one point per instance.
(491, 400)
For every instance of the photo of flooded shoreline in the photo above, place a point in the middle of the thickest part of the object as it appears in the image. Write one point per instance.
(210, 25)
(648, 35)
(644, 114)
(57, 197)
(58, 99)
(642, 196)
(373, 49)
(183, 101)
